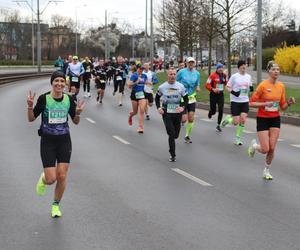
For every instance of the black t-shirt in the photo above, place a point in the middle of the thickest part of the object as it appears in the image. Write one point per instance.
(119, 70)
(41, 105)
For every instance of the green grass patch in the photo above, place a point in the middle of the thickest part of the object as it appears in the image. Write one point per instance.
(204, 95)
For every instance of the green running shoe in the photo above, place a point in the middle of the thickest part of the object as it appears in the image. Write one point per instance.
(228, 120)
(55, 211)
(41, 186)
(238, 142)
(251, 149)
(267, 176)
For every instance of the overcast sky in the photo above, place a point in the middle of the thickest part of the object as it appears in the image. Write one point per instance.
(133, 11)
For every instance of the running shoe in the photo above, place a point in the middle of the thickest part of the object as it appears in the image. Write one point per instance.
(251, 149)
(114, 93)
(238, 142)
(89, 94)
(267, 175)
(218, 128)
(209, 115)
(40, 186)
(120, 105)
(130, 119)
(226, 121)
(55, 211)
(148, 117)
(172, 159)
(187, 139)
(140, 129)
(100, 101)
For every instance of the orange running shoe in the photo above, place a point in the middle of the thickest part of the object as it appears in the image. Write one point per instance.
(140, 129)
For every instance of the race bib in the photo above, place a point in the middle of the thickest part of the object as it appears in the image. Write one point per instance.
(102, 81)
(88, 70)
(140, 95)
(192, 99)
(57, 116)
(74, 79)
(220, 87)
(244, 92)
(171, 108)
(274, 108)
(119, 78)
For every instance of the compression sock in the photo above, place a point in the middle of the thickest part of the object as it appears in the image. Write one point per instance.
(188, 129)
(239, 130)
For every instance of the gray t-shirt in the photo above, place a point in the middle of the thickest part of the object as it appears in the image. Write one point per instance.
(171, 93)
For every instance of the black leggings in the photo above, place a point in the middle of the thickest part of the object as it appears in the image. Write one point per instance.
(173, 124)
(119, 84)
(86, 84)
(214, 100)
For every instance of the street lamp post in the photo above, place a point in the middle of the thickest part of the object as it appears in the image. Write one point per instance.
(76, 29)
(259, 42)
(146, 30)
(151, 31)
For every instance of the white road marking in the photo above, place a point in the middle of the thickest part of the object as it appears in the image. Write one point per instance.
(90, 120)
(249, 132)
(121, 140)
(206, 120)
(280, 139)
(295, 145)
(191, 177)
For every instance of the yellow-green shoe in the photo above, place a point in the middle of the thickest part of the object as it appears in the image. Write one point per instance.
(55, 211)
(41, 186)
(267, 175)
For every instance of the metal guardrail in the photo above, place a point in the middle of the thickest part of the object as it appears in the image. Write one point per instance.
(12, 77)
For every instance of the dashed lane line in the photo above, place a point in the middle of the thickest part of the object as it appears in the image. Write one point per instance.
(191, 177)
(121, 140)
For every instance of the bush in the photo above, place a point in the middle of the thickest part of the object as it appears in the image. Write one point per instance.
(288, 59)
(267, 55)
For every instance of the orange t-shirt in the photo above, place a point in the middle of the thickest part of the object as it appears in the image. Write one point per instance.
(269, 92)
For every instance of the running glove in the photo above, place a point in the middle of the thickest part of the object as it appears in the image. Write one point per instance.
(235, 93)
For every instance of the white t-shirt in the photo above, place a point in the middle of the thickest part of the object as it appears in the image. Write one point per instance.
(238, 82)
(148, 89)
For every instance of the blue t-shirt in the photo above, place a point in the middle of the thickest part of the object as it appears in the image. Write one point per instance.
(189, 79)
(140, 85)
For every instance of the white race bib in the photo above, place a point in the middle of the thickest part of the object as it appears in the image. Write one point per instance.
(244, 92)
(74, 79)
(171, 108)
(57, 116)
(220, 87)
(274, 108)
(119, 78)
(140, 95)
(192, 99)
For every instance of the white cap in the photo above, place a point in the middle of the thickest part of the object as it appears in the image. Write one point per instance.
(190, 59)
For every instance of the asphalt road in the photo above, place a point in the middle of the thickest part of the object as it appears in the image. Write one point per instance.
(124, 194)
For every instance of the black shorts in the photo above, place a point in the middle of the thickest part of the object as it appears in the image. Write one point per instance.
(263, 124)
(190, 108)
(149, 97)
(133, 97)
(55, 149)
(75, 84)
(237, 108)
(100, 85)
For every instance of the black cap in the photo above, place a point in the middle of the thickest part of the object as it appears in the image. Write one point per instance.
(56, 74)
(240, 63)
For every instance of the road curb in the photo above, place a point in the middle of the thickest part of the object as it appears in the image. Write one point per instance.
(292, 120)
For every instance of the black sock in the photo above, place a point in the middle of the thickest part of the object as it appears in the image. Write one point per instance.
(55, 202)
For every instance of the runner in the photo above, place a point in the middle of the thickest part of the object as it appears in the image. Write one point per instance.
(148, 88)
(180, 66)
(171, 93)
(56, 147)
(101, 78)
(215, 85)
(74, 72)
(88, 67)
(269, 97)
(119, 80)
(190, 78)
(138, 101)
(239, 85)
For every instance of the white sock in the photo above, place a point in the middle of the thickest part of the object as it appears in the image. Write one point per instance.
(255, 145)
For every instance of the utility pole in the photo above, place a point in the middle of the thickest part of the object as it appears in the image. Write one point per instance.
(259, 42)
(32, 33)
(39, 42)
(76, 31)
(151, 31)
(106, 38)
(146, 31)
(164, 35)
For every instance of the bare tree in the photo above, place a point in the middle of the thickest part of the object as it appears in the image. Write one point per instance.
(232, 18)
